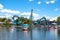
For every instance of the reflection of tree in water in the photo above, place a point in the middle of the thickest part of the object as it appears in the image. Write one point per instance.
(18, 29)
(31, 34)
(58, 32)
(7, 29)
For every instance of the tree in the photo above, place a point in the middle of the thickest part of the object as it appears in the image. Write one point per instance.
(7, 23)
(58, 19)
(3, 19)
(0, 19)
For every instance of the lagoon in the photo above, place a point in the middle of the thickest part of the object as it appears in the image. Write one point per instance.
(36, 34)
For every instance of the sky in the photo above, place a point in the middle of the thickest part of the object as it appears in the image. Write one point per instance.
(48, 8)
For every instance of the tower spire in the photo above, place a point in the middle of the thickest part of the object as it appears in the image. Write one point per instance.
(31, 16)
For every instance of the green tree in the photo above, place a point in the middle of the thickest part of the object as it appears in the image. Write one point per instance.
(58, 19)
(3, 19)
(7, 23)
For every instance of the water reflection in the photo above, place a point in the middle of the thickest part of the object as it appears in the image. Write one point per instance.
(58, 34)
(35, 34)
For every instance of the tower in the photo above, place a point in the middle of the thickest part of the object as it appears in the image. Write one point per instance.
(31, 16)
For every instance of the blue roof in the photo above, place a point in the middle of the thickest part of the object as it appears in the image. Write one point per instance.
(25, 25)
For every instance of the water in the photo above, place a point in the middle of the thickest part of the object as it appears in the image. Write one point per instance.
(37, 34)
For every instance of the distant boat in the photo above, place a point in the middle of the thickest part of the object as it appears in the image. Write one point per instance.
(54, 23)
(25, 27)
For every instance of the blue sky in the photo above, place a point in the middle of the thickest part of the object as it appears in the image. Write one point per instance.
(47, 8)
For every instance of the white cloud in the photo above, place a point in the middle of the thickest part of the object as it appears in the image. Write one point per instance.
(6, 16)
(56, 9)
(47, 17)
(2, 10)
(24, 14)
(39, 2)
(27, 15)
(51, 18)
(52, 1)
(9, 11)
(55, 18)
(1, 6)
(47, 2)
(31, 0)
(1, 16)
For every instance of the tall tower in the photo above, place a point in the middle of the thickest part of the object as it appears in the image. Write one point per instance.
(31, 16)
